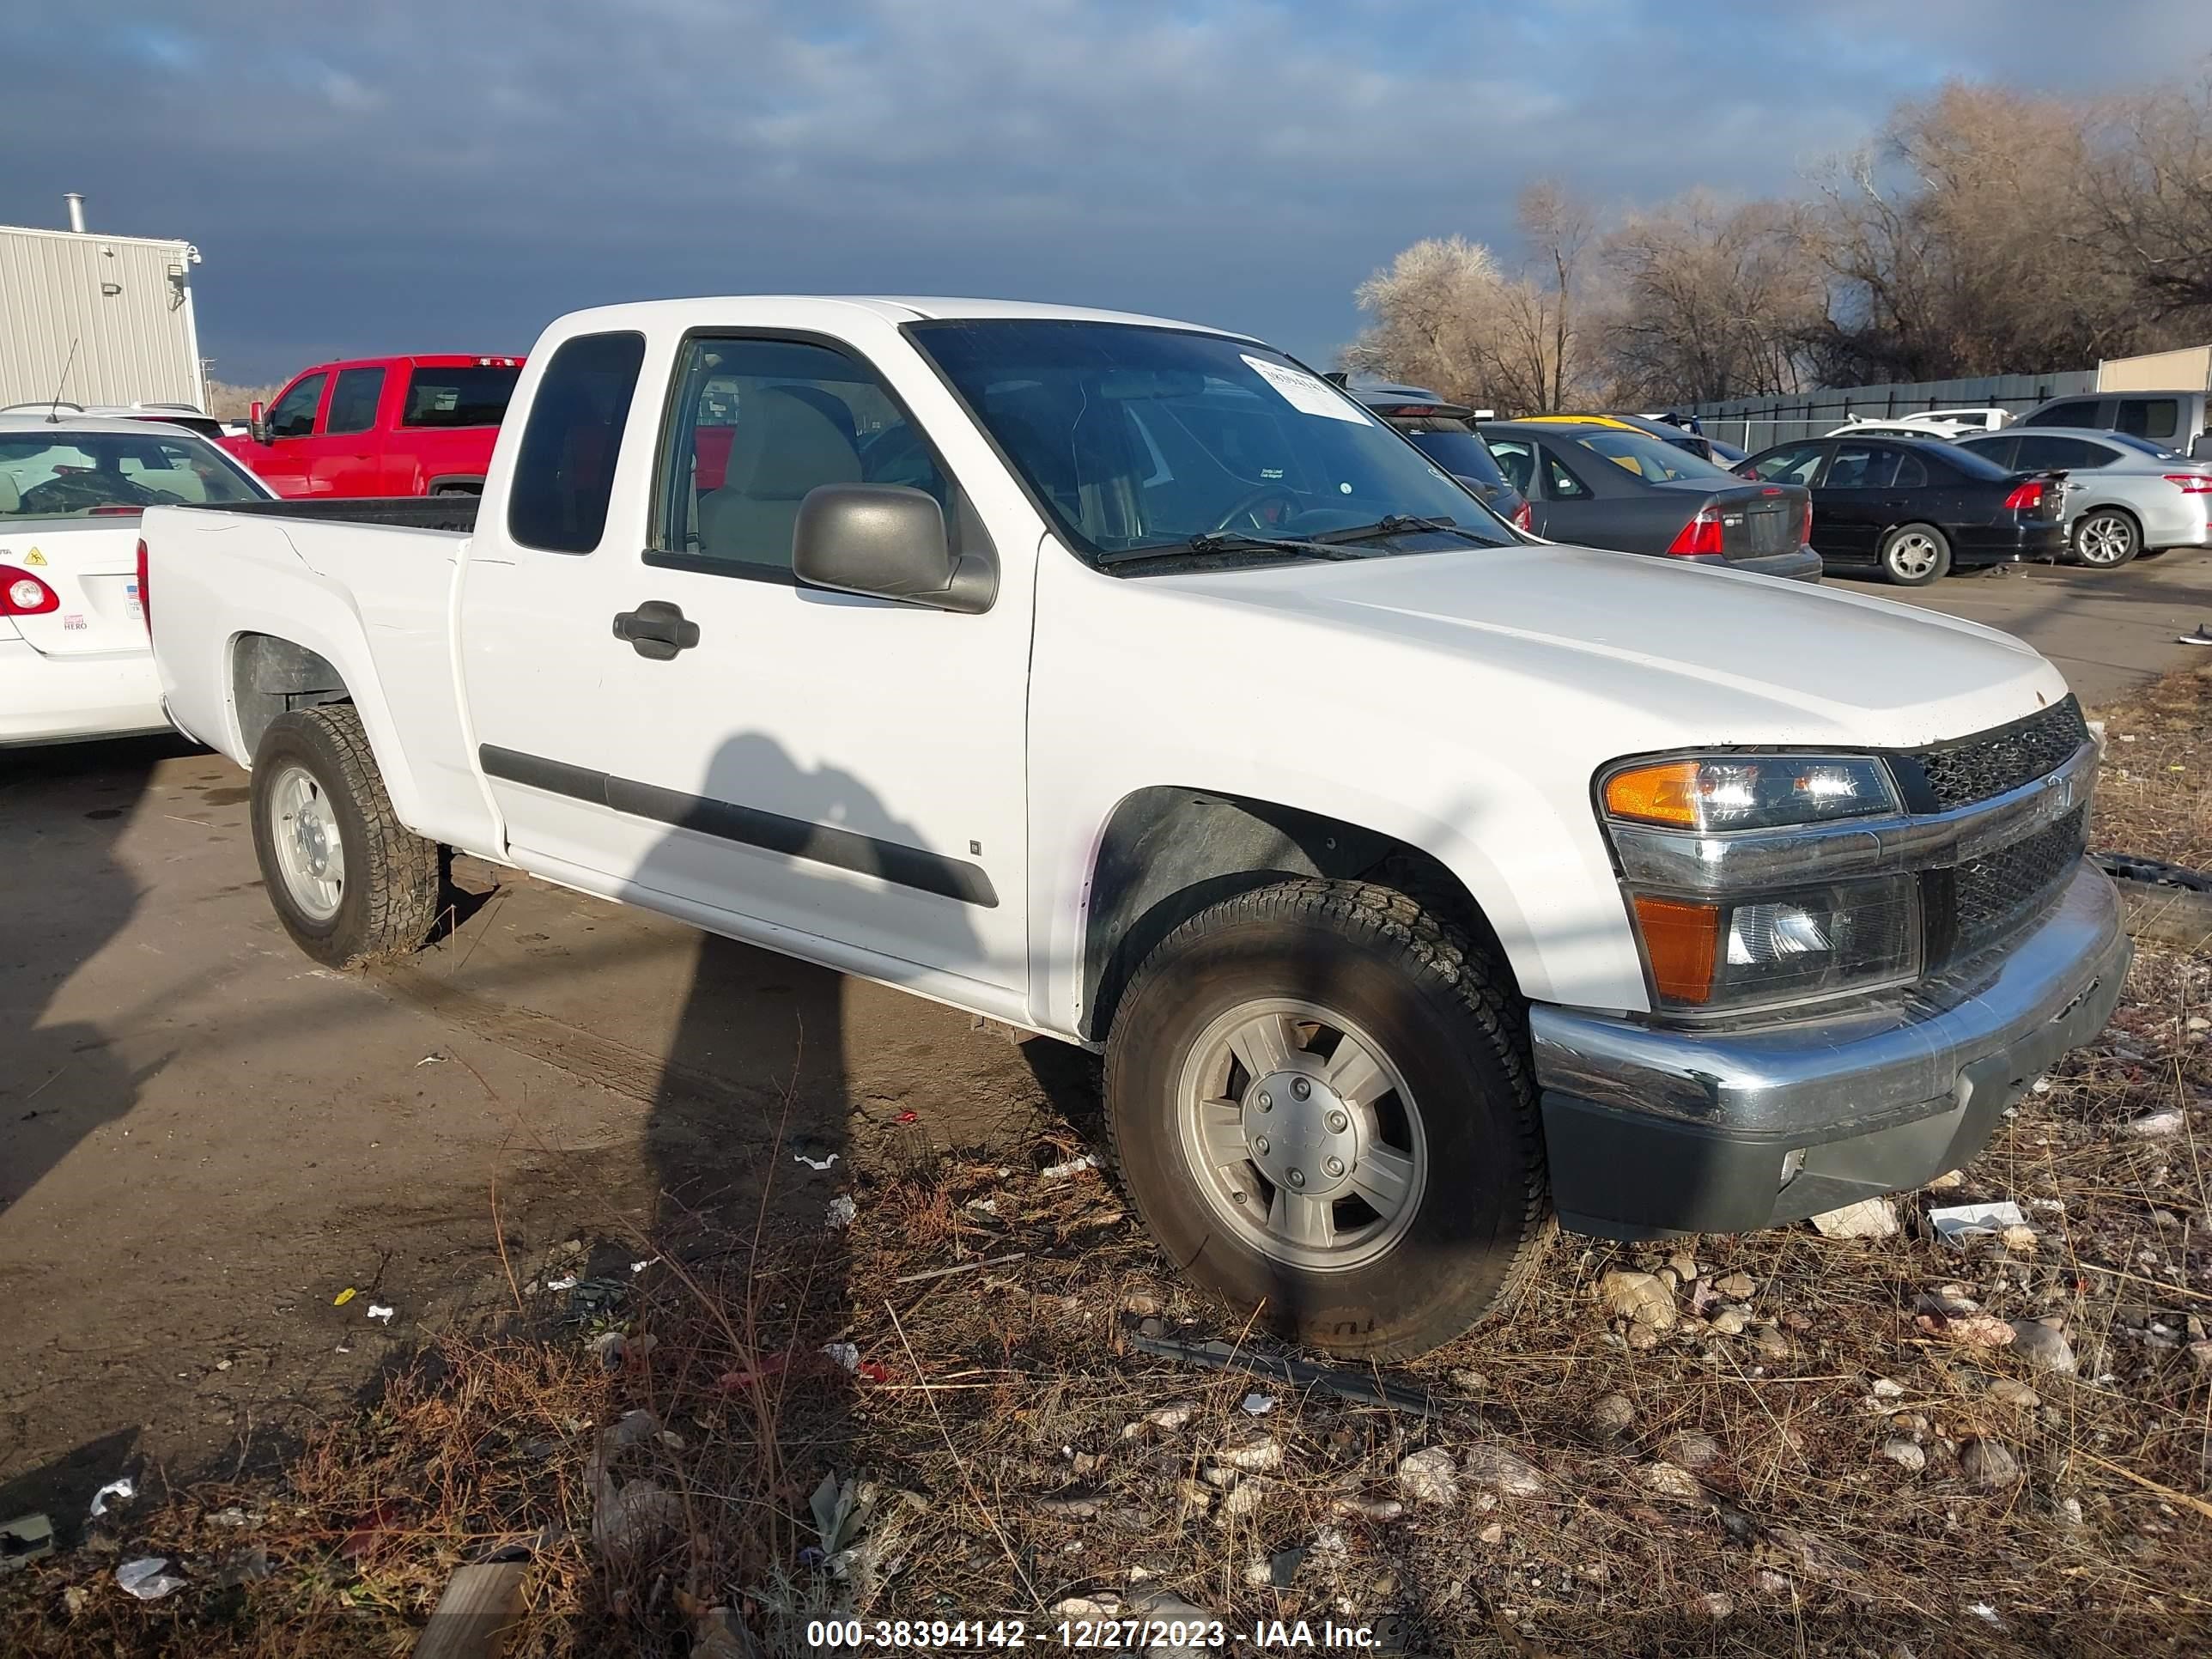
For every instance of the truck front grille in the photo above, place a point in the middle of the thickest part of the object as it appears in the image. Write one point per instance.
(1995, 895)
(1975, 768)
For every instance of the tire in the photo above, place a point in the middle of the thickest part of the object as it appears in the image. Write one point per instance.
(316, 790)
(1447, 1120)
(1915, 554)
(2104, 539)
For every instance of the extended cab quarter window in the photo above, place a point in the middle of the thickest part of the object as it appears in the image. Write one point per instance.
(564, 471)
(756, 424)
(354, 399)
(294, 414)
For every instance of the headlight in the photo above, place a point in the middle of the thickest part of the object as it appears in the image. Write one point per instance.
(1715, 949)
(1750, 791)
(1712, 954)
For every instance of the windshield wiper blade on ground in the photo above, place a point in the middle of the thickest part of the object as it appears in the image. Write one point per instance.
(1397, 524)
(1222, 540)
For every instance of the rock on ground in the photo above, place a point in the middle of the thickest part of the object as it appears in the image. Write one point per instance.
(1905, 1454)
(1427, 1477)
(1643, 1297)
(1870, 1218)
(1988, 1463)
(1610, 1417)
(1691, 1450)
(1509, 1471)
(2042, 1347)
(1673, 1480)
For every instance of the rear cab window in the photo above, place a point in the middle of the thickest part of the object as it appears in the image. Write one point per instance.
(473, 395)
(564, 467)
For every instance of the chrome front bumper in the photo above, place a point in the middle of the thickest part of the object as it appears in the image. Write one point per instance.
(1654, 1130)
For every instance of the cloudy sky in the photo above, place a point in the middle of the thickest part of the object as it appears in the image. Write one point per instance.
(407, 176)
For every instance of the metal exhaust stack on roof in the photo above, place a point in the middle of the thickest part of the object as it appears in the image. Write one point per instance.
(76, 211)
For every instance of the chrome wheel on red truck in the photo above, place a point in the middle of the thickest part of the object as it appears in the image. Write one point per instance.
(347, 881)
(1319, 1099)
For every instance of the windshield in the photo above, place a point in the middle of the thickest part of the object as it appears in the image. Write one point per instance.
(64, 474)
(1453, 446)
(1652, 459)
(1134, 437)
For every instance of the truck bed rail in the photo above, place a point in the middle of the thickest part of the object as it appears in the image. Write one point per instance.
(453, 511)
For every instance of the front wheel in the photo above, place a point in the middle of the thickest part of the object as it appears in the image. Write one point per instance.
(348, 881)
(2105, 539)
(1915, 554)
(1319, 1102)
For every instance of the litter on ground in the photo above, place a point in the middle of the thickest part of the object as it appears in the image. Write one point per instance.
(122, 1489)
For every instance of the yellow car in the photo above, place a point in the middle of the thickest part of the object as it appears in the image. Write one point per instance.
(1681, 436)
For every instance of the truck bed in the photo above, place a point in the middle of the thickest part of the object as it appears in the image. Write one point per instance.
(451, 512)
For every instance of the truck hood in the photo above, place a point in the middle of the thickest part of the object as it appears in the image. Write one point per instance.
(1671, 652)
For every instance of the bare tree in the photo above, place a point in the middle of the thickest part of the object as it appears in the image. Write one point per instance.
(1956, 247)
(1557, 228)
(1434, 310)
(2147, 197)
(1988, 231)
(1714, 300)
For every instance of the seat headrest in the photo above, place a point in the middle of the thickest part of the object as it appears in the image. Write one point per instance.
(786, 446)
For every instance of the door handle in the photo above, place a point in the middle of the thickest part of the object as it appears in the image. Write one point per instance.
(656, 629)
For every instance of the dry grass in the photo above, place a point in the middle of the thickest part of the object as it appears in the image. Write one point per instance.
(997, 1437)
(234, 403)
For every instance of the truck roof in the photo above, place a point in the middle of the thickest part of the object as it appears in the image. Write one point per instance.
(896, 308)
(420, 359)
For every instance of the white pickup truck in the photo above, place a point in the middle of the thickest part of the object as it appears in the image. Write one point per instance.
(1121, 680)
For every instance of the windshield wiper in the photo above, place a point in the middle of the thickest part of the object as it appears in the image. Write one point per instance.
(1223, 541)
(1397, 524)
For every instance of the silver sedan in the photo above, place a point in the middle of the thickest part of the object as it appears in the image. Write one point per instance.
(2124, 495)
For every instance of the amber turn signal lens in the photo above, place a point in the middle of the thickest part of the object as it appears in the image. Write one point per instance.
(1665, 793)
(1682, 941)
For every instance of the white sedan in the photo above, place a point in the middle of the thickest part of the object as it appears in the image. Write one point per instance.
(74, 660)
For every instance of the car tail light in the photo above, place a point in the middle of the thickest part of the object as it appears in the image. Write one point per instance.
(2191, 483)
(2026, 498)
(145, 605)
(1525, 519)
(1702, 535)
(1808, 537)
(114, 512)
(23, 594)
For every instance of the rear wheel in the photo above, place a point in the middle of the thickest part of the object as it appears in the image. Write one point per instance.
(1320, 1101)
(1915, 554)
(347, 881)
(2106, 538)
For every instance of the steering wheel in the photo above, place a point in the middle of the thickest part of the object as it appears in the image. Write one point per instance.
(68, 492)
(1249, 505)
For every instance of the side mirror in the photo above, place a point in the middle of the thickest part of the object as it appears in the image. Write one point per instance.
(257, 423)
(889, 542)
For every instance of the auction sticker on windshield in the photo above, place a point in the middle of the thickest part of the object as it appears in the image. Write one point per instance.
(1306, 394)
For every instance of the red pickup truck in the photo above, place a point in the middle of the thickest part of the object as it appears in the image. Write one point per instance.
(382, 426)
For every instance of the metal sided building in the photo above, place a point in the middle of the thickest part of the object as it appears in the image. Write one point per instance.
(97, 319)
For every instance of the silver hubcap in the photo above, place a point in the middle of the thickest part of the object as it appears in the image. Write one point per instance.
(2102, 539)
(1912, 555)
(1301, 1134)
(305, 834)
